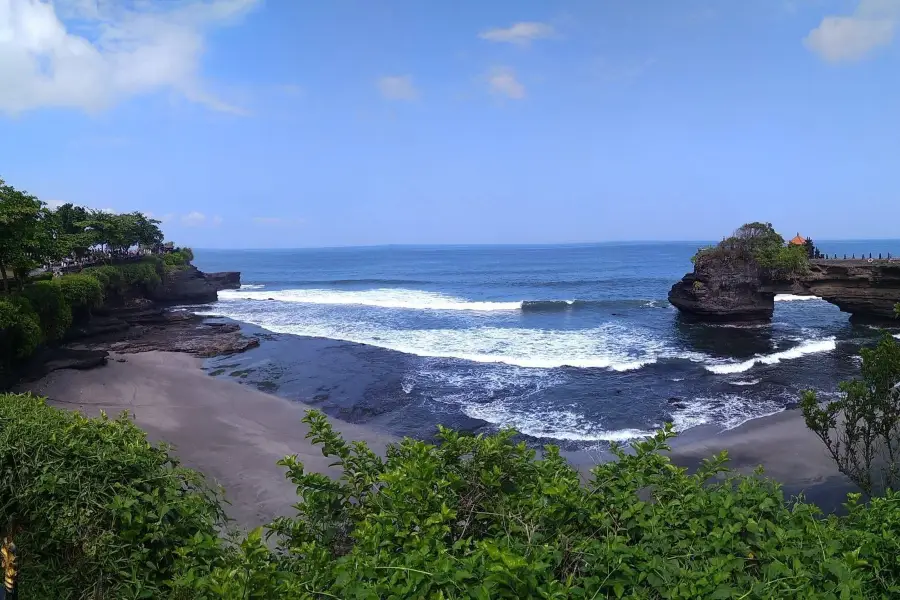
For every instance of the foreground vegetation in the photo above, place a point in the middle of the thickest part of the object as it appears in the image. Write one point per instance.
(760, 243)
(98, 512)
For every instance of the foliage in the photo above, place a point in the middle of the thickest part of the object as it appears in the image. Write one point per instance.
(49, 303)
(119, 232)
(121, 279)
(20, 215)
(83, 292)
(759, 242)
(20, 332)
(861, 429)
(179, 259)
(100, 512)
(784, 260)
(31, 235)
(481, 517)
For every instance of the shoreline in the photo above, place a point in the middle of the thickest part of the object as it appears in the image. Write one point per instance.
(231, 433)
(235, 434)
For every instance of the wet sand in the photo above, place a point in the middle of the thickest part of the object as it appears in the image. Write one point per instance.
(236, 434)
(232, 433)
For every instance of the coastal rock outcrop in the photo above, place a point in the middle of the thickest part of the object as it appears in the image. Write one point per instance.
(723, 290)
(866, 290)
(192, 286)
(726, 290)
(225, 280)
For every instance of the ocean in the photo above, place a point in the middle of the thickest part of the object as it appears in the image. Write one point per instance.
(574, 345)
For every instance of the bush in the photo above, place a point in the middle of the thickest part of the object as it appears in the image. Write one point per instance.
(49, 303)
(82, 292)
(20, 331)
(178, 260)
(125, 279)
(861, 428)
(481, 517)
(100, 512)
(760, 243)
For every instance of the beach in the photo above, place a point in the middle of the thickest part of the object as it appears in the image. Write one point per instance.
(235, 434)
(230, 432)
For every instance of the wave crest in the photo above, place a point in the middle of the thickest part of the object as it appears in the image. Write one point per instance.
(810, 347)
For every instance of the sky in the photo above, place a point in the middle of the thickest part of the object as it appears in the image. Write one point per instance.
(281, 123)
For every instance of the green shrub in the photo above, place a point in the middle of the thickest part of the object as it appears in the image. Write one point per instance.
(49, 303)
(128, 278)
(178, 260)
(46, 276)
(100, 512)
(20, 331)
(760, 243)
(82, 292)
(481, 517)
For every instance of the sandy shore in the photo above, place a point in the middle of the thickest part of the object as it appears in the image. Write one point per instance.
(230, 432)
(235, 434)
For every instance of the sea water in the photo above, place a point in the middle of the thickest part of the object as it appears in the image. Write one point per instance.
(571, 344)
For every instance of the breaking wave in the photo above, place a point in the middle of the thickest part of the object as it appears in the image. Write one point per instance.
(399, 298)
(728, 411)
(810, 347)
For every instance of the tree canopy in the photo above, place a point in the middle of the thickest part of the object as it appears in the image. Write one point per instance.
(32, 235)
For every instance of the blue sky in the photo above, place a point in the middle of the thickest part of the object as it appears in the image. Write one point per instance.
(281, 123)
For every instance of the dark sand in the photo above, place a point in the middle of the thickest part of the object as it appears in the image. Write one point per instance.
(235, 434)
(232, 433)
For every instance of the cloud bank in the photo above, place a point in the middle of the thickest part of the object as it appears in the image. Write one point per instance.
(91, 54)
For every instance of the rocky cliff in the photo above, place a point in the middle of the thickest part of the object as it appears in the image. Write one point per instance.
(723, 289)
(736, 290)
(863, 289)
(192, 286)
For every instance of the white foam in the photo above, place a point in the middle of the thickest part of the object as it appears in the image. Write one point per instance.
(248, 286)
(382, 298)
(728, 411)
(793, 297)
(803, 349)
(610, 346)
(750, 382)
(554, 424)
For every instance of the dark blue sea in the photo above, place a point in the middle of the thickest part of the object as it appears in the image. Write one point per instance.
(574, 345)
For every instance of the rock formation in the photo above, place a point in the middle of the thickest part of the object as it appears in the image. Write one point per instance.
(738, 290)
(192, 286)
(723, 290)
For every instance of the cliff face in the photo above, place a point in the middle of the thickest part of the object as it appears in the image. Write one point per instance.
(192, 286)
(722, 290)
(861, 288)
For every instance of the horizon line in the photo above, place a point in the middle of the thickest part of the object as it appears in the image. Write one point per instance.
(515, 244)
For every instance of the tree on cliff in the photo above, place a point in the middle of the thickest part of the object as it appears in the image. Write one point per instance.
(756, 236)
(20, 215)
(760, 243)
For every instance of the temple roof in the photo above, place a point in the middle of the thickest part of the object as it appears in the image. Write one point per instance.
(798, 240)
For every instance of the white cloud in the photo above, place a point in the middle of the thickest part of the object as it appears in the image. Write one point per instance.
(502, 81)
(522, 33)
(277, 221)
(398, 87)
(193, 219)
(91, 54)
(851, 38)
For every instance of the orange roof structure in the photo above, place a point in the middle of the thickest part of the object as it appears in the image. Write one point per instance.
(797, 241)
